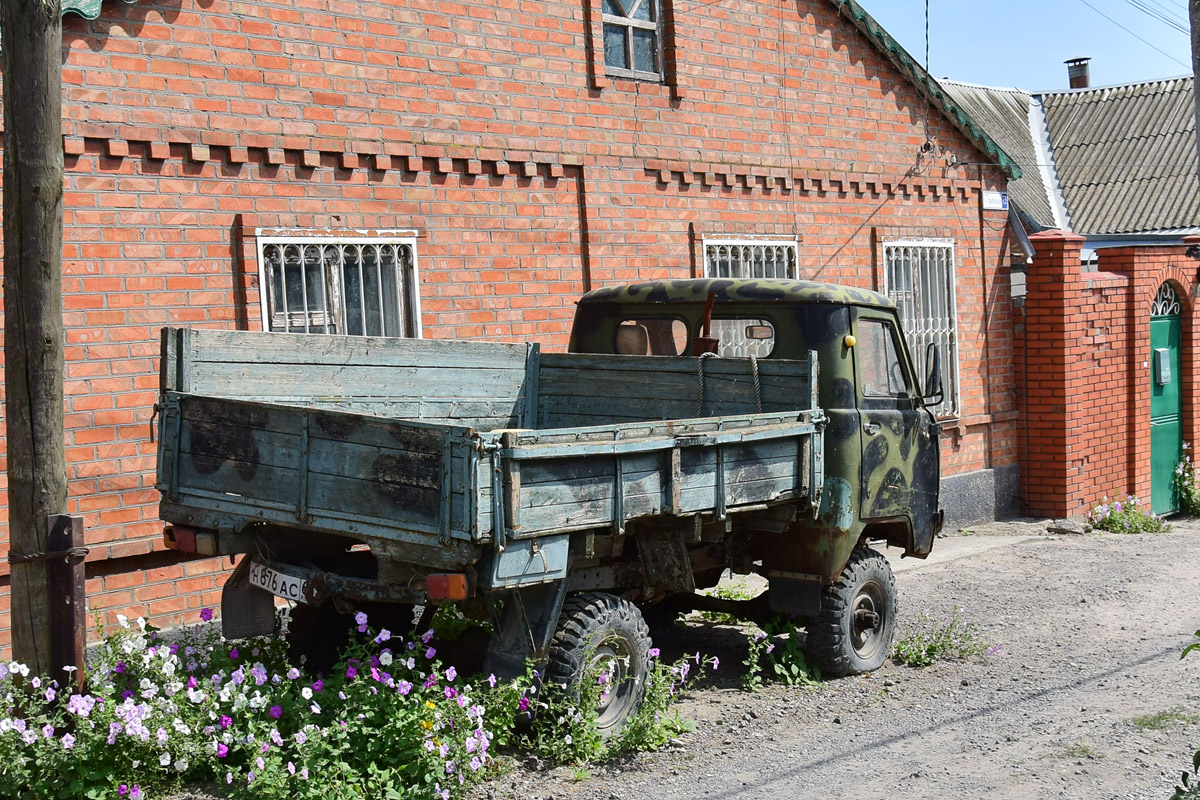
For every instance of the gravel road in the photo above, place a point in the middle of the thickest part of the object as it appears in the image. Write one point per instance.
(1090, 628)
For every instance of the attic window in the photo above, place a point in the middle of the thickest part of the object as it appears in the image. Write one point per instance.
(633, 39)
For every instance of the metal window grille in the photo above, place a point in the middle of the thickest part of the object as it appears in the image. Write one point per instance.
(743, 258)
(919, 277)
(352, 286)
(633, 38)
(1166, 302)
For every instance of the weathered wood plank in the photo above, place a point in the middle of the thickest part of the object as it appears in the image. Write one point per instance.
(255, 347)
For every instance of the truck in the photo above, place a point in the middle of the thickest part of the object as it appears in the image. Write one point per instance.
(693, 427)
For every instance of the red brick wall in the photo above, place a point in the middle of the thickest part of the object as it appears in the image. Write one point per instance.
(1082, 357)
(527, 175)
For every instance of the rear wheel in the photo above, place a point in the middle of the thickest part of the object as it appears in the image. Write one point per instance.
(604, 636)
(854, 630)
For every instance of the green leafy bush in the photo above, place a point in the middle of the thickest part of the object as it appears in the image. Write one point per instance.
(1186, 484)
(1187, 789)
(929, 640)
(389, 721)
(1126, 516)
(777, 656)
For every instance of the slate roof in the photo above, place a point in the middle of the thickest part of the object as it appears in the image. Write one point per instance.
(1126, 156)
(1122, 158)
(1005, 114)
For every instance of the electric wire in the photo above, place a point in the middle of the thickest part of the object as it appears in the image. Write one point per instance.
(1134, 35)
(1161, 14)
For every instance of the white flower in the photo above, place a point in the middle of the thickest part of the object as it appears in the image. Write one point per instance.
(123, 620)
(306, 693)
(181, 765)
(164, 759)
(385, 658)
(141, 623)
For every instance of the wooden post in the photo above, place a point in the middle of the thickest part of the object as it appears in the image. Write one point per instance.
(1194, 17)
(33, 325)
(68, 610)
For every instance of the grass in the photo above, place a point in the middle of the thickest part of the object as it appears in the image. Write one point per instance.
(930, 640)
(1079, 750)
(1166, 719)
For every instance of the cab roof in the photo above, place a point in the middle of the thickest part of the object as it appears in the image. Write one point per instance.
(736, 290)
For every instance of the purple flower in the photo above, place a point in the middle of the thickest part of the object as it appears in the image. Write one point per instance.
(222, 750)
(451, 674)
(492, 681)
(383, 636)
(318, 686)
(427, 635)
(404, 687)
(523, 705)
(716, 662)
(233, 654)
(120, 667)
(360, 619)
(225, 722)
(47, 731)
(451, 692)
(654, 652)
(206, 614)
(276, 711)
(351, 672)
(191, 682)
(68, 741)
(430, 653)
(122, 790)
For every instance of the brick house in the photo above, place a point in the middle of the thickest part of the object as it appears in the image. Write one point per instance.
(1104, 344)
(466, 170)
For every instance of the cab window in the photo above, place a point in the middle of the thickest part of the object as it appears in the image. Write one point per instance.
(880, 371)
(652, 337)
(743, 337)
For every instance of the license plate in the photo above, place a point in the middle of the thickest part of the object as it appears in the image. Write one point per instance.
(277, 583)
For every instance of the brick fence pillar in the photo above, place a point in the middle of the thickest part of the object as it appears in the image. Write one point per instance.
(1053, 283)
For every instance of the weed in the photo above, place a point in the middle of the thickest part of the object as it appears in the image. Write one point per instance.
(1126, 516)
(580, 774)
(1165, 719)
(1079, 750)
(929, 640)
(775, 656)
(1186, 483)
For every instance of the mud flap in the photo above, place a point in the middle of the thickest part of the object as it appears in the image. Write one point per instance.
(524, 627)
(246, 610)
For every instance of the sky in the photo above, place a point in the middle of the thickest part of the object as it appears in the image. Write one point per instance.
(1023, 43)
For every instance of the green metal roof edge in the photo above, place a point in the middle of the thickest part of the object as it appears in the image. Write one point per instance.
(88, 9)
(926, 84)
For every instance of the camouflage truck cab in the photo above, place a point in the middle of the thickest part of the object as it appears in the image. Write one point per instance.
(881, 449)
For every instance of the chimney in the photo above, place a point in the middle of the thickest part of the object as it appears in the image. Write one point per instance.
(1079, 72)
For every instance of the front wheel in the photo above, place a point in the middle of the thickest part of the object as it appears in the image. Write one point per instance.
(604, 636)
(854, 630)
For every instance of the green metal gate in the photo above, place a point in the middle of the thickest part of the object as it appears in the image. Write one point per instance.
(1166, 429)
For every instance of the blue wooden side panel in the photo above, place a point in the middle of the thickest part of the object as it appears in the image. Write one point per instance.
(580, 389)
(479, 384)
(385, 479)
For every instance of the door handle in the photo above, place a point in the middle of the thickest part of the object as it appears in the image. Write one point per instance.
(871, 428)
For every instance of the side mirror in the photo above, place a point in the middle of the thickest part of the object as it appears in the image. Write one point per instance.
(934, 393)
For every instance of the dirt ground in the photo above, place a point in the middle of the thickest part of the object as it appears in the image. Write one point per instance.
(1090, 628)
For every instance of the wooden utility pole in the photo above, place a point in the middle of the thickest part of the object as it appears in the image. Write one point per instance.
(1194, 16)
(31, 35)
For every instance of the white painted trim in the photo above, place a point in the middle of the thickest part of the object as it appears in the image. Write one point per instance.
(1039, 131)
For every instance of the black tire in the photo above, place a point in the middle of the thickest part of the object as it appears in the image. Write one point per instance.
(598, 631)
(853, 633)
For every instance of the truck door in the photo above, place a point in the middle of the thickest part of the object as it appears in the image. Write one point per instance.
(899, 470)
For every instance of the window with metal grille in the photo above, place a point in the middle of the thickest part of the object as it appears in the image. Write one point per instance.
(919, 277)
(345, 285)
(749, 258)
(633, 38)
